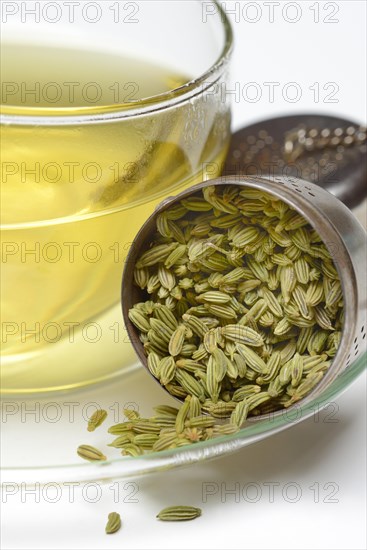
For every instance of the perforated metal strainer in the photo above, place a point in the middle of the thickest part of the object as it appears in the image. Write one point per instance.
(327, 150)
(340, 231)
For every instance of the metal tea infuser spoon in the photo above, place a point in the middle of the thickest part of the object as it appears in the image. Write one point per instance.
(338, 228)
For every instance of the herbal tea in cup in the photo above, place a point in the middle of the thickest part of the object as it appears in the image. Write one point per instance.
(93, 138)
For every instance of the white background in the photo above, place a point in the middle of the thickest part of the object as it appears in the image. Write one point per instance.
(328, 452)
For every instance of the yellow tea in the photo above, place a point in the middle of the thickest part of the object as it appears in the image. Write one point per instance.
(75, 191)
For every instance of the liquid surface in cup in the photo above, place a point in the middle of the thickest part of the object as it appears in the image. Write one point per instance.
(73, 197)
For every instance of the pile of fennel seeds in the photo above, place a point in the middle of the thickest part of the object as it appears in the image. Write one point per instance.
(243, 315)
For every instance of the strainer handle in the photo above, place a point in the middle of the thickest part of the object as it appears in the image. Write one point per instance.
(351, 189)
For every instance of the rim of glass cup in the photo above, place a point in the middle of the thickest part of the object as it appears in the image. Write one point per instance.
(120, 468)
(151, 104)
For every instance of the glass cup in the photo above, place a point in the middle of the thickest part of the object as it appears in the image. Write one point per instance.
(107, 108)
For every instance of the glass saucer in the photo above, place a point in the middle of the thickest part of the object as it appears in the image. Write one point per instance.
(39, 436)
